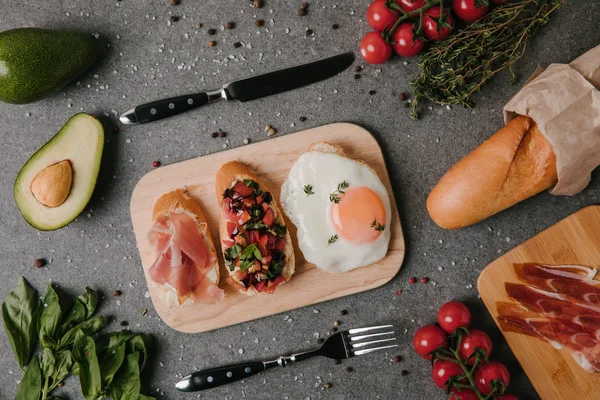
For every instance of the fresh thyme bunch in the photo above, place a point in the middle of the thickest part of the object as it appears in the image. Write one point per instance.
(453, 70)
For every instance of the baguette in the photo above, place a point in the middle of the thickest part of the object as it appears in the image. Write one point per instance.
(227, 177)
(179, 201)
(514, 164)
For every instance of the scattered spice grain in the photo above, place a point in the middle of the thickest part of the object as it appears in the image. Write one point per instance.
(212, 43)
(259, 23)
(230, 25)
(39, 263)
(117, 293)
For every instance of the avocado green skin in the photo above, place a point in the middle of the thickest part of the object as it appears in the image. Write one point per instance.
(35, 62)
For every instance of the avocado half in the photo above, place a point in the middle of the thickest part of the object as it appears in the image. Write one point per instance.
(57, 182)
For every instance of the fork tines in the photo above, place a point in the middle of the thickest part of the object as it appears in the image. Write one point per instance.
(358, 346)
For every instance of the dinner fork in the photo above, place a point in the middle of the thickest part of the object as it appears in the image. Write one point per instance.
(346, 344)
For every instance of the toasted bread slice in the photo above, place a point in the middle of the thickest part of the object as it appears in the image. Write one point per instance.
(227, 176)
(180, 201)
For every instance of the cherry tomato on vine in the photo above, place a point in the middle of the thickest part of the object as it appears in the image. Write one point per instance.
(478, 339)
(453, 315)
(442, 371)
(410, 5)
(469, 10)
(380, 16)
(374, 49)
(430, 24)
(463, 394)
(405, 42)
(491, 375)
(427, 339)
(507, 397)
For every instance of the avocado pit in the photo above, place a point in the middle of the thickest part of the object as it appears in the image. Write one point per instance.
(52, 185)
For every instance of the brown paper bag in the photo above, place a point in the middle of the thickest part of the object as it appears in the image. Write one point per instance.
(564, 101)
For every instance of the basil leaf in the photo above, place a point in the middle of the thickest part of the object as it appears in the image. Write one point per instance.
(83, 308)
(20, 312)
(90, 301)
(233, 252)
(126, 384)
(251, 252)
(144, 397)
(84, 354)
(140, 343)
(48, 362)
(88, 327)
(111, 363)
(30, 387)
(62, 365)
(57, 304)
(244, 265)
(279, 230)
(255, 226)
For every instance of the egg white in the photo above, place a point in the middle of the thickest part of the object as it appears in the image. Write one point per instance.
(310, 213)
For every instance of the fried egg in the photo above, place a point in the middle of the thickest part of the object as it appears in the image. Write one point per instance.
(341, 210)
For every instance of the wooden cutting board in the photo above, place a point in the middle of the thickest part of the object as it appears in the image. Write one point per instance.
(574, 240)
(272, 160)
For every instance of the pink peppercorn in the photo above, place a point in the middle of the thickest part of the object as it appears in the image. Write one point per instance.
(411, 280)
(423, 280)
(156, 164)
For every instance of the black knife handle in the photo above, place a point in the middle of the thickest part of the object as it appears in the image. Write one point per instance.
(214, 377)
(165, 108)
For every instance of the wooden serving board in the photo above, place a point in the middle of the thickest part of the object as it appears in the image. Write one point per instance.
(574, 240)
(272, 160)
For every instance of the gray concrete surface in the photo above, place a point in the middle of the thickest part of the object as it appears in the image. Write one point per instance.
(149, 58)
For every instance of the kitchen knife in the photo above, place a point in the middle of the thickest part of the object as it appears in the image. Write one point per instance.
(242, 90)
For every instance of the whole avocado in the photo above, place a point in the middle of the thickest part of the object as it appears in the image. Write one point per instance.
(35, 62)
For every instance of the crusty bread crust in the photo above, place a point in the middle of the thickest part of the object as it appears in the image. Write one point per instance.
(227, 176)
(179, 200)
(514, 164)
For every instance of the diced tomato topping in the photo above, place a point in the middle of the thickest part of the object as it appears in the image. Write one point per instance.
(269, 217)
(227, 243)
(271, 242)
(248, 201)
(241, 189)
(253, 237)
(228, 213)
(265, 206)
(262, 245)
(280, 245)
(267, 259)
(231, 228)
(272, 285)
(259, 199)
(260, 286)
(239, 239)
(243, 217)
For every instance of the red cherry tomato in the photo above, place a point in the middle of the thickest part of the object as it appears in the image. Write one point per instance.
(477, 340)
(429, 338)
(442, 371)
(507, 397)
(469, 10)
(430, 24)
(464, 394)
(489, 375)
(453, 315)
(405, 42)
(380, 16)
(374, 49)
(410, 5)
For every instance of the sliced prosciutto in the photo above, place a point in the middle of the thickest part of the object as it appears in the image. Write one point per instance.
(183, 259)
(558, 304)
(574, 280)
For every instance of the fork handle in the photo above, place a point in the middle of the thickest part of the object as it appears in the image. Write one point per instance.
(211, 378)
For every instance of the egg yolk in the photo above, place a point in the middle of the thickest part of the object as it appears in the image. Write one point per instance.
(358, 214)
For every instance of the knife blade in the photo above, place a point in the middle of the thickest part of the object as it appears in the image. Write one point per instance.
(242, 90)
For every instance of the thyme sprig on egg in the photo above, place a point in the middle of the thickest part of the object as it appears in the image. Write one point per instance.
(332, 239)
(308, 189)
(377, 226)
(335, 196)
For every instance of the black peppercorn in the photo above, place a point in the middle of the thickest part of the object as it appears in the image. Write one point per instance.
(211, 31)
(237, 45)
(214, 134)
(404, 372)
(335, 26)
(174, 18)
(372, 92)
(302, 119)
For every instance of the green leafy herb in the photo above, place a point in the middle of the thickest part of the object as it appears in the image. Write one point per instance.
(280, 230)
(30, 387)
(233, 252)
(20, 312)
(255, 226)
(251, 252)
(332, 239)
(84, 354)
(67, 331)
(277, 230)
(308, 189)
(453, 70)
(377, 226)
(144, 311)
(254, 185)
(335, 196)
